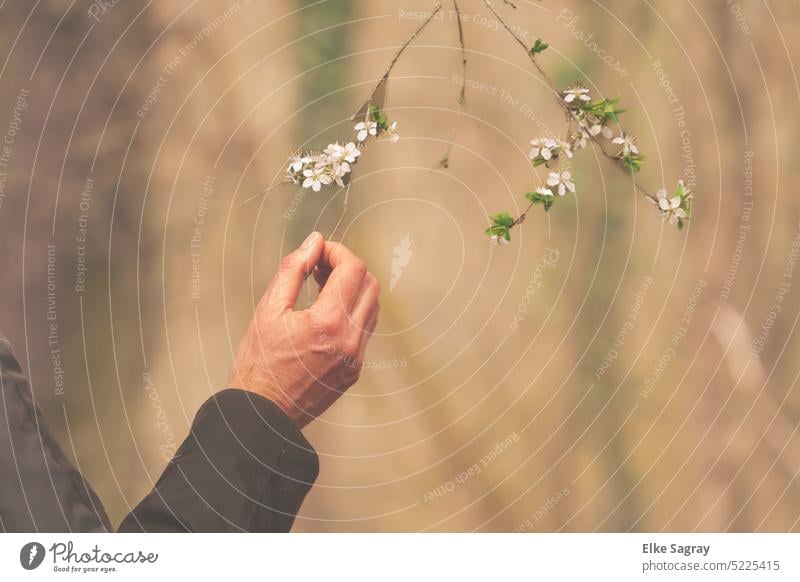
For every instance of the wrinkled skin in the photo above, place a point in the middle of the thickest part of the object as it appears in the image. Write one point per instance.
(305, 360)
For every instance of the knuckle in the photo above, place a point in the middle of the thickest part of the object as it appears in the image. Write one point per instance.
(334, 322)
(288, 262)
(350, 348)
(359, 269)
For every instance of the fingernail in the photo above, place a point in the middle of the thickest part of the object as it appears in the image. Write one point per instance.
(309, 242)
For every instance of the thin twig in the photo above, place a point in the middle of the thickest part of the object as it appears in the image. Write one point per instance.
(462, 98)
(436, 8)
(344, 210)
(381, 85)
(522, 216)
(262, 193)
(445, 161)
(546, 77)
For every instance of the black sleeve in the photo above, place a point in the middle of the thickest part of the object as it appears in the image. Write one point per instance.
(245, 466)
(40, 490)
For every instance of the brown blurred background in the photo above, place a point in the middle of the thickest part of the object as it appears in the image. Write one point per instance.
(605, 372)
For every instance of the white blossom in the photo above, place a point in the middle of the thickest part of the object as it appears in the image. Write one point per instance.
(542, 191)
(577, 91)
(580, 139)
(594, 126)
(671, 208)
(628, 143)
(562, 181)
(316, 178)
(366, 129)
(394, 137)
(340, 170)
(499, 240)
(298, 162)
(545, 148)
(351, 152)
(334, 152)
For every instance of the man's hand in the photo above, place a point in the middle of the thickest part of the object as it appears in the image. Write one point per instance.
(304, 360)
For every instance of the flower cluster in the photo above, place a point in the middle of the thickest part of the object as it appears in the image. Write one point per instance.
(677, 208)
(547, 150)
(589, 120)
(334, 164)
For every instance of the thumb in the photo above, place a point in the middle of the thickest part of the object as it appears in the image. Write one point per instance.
(294, 269)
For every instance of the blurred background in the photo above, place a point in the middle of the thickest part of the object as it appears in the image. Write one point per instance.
(604, 372)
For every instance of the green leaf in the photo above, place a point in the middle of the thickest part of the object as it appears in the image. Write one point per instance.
(633, 162)
(502, 219)
(502, 231)
(378, 116)
(537, 198)
(539, 47)
(605, 109)
(501, 225)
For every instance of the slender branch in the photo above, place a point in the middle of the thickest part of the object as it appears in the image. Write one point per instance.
(263, 193)
(365, 109)
(344, 210)
(546, 77)
(616, 163)
(436, 8)
(522, 216)
(462, 98)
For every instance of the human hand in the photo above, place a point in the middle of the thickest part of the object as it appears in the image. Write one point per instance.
(305, 360)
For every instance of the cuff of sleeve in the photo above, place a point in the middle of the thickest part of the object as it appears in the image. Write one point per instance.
(245, 466)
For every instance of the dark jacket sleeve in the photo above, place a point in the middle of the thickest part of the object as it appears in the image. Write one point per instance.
(244, 467)
(40, 490)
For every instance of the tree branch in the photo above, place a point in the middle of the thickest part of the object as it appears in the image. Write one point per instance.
(462, 98)
(378, 96)
(532, 57)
